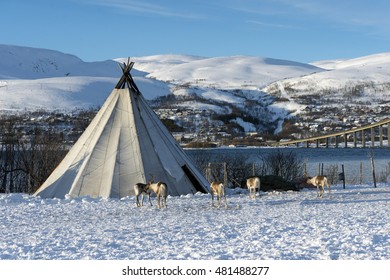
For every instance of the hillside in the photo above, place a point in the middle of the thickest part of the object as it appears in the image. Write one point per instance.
(361, 86)
(213, 98)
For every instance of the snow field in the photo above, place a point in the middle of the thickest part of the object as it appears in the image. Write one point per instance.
(352, 224)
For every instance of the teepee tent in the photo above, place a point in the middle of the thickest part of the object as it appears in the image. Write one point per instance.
(126, 143)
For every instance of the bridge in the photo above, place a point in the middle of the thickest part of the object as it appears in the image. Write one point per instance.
(367, 136)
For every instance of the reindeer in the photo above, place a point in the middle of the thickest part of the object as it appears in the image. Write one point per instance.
(319, 181)
(161, 190)
(217, 188)
(252, 184)
(140, 189)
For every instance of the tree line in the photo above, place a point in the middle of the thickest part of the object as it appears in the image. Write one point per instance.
(26, 160)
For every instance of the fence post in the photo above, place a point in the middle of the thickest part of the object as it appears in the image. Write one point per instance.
(342, 170)
(373, 170)
(225, 177)
(208, 172)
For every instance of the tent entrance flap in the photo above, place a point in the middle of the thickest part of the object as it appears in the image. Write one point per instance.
(198, 186)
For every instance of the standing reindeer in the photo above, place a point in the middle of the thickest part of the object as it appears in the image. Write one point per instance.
(161, 190)
(252, 184)
(140, 189)
(319, 181)
(218, 189)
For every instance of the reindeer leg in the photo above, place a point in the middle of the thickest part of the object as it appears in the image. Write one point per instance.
(137, 201)
(322, 191)
(150, 201)
(142, 199)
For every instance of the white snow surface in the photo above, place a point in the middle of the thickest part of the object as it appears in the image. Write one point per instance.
(373, 68)
(231, 72)
(354, 223)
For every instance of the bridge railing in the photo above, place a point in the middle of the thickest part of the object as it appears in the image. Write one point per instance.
(336, 139)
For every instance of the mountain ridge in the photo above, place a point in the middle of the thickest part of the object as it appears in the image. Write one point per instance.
(266, 91)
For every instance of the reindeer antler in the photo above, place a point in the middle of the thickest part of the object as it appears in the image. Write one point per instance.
(151, 178)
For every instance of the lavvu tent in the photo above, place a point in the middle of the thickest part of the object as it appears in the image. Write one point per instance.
(126, 143)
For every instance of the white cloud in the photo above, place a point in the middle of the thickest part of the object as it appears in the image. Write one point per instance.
(272, 25)
(145, 7)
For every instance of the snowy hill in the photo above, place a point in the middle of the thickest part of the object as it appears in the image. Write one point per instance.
(372, 69)
(32, 63)
(223, 85)
(224, 72)
(32, 79)
(361, 84)
(243, 87)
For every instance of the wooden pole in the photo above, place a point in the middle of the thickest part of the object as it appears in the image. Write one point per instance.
(208, 172)
(361, 172)
(345, 141)
(363, 138)
(342, 170)
(388, 134)
(373, 171)
(225, 175)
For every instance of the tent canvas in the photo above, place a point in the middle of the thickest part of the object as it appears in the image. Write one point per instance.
(126, 143)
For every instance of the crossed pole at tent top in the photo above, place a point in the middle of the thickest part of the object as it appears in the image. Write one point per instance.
(126, 77)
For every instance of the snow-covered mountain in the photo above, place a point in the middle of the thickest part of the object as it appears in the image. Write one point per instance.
(223, 72)
(263, 88)
(356, 90)
(371, 71)
(32, 63)
(32, 78)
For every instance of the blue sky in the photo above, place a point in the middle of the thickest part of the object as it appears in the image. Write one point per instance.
(300, 30)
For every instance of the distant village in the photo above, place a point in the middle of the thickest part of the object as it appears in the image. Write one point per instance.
(202, 128)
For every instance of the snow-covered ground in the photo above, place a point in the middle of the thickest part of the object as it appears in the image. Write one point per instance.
(352, 224)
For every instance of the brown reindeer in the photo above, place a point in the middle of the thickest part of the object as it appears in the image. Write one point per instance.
(252, 184)
(319, 182)
(218, 189)
(161, 190)
(140, 189)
